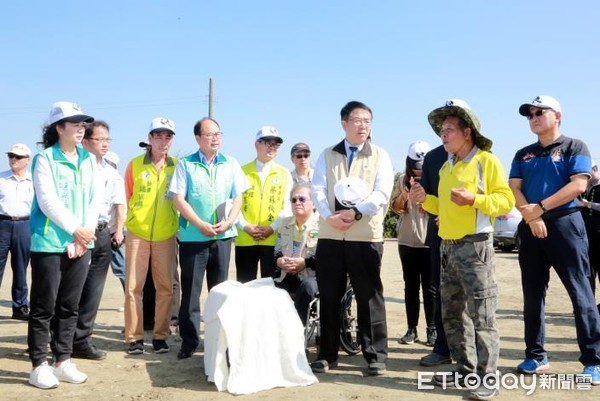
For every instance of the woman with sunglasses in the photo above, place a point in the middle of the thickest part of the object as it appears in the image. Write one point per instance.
(295, 250)
(64, 216)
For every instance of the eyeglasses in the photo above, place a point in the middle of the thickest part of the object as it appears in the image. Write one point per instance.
(213, 134)
(536, 113)
(103, 140)
(300, 199)
(18, 157)
(302, 156)
(358, 121)
(273, 145)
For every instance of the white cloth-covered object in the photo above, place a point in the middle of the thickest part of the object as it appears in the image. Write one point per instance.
(257, 325)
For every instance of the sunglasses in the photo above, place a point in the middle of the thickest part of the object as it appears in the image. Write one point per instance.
(18, 157)
(302, 156)
(536, 113)
(300, 199)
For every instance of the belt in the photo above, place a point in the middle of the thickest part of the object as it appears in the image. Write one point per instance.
(5, 217)
(468, 238)
(554, 214)
(101, 225)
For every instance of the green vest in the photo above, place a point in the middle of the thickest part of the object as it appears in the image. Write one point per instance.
(261, 204)
(207, 192)
(151, 214)
(74, 186)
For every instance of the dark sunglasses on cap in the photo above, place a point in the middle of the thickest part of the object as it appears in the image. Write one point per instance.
(300, 199)
(14, 156)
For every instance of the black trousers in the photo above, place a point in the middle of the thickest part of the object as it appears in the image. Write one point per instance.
(210, 258)
(416, 272)
(302, 291)
(361, 262)
(56, 285)
(247, 258)
(15, 237)
(92, 289)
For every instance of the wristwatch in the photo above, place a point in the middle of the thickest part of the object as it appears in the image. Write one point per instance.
(357, 214)
(541, 205)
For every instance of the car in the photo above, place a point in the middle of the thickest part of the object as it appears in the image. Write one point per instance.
(506, 235)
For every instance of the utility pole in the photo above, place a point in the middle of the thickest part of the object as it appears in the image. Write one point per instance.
(210, 98)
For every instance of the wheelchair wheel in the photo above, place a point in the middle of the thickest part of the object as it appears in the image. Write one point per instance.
(349, 337)
(312, 322)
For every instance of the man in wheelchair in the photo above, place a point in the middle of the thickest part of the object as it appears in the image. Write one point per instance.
(295, 251)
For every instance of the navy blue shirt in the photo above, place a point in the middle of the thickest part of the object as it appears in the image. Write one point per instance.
(430, 179)
(545, 170)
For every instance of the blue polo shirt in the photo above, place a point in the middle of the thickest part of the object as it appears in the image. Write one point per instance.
(545, 170)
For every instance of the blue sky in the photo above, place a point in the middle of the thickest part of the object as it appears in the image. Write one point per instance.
(294, 64)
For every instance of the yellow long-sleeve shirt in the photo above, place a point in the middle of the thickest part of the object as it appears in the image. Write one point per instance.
(480, 173)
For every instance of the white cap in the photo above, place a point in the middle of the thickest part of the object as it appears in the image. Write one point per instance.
(268, 133)
(68, 111)
(350, 191)
(418, 150)
(416, 154)
(112, 157)
(20, 149)
(542, 102)
(162, 124)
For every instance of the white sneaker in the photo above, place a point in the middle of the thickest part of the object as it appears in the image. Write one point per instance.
(68, 372)
(43, 377)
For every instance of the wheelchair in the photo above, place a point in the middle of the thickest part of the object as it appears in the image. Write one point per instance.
(349, 336)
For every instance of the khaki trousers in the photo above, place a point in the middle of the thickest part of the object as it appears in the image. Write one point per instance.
(163, 255)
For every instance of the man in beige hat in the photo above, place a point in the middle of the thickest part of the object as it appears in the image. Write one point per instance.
(16, 195)
(473, 190)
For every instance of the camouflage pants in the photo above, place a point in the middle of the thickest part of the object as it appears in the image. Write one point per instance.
(469, 296)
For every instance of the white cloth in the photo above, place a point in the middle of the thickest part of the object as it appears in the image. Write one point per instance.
(256, 327)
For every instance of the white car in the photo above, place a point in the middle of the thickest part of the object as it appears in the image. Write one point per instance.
(506, 235)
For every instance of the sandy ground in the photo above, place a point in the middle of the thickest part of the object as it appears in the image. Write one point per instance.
(162, 377)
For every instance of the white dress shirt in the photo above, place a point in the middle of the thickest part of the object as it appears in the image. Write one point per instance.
(384, 183)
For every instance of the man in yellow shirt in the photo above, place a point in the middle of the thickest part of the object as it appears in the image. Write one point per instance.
(473, 190)
(152, 224)
(264, 206)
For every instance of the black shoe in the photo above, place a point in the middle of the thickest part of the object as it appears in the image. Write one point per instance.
(21, 313)
(136, 347)
(91, 353)
(452, 379)
(434, 359)
(410, 337)
(431, 337)
(160, 346)
(375, 369)
(184, 354)
(482, 393)
(322, 366)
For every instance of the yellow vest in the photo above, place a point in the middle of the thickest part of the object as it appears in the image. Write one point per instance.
(151, 214)
(261, 205)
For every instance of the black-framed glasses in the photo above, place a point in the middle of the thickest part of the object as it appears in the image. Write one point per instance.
(213, 134)
(302, 156)
(300, 199)
(274, 145)
(103, 140)
(359, 121)
(18, 157)
(536, 113)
